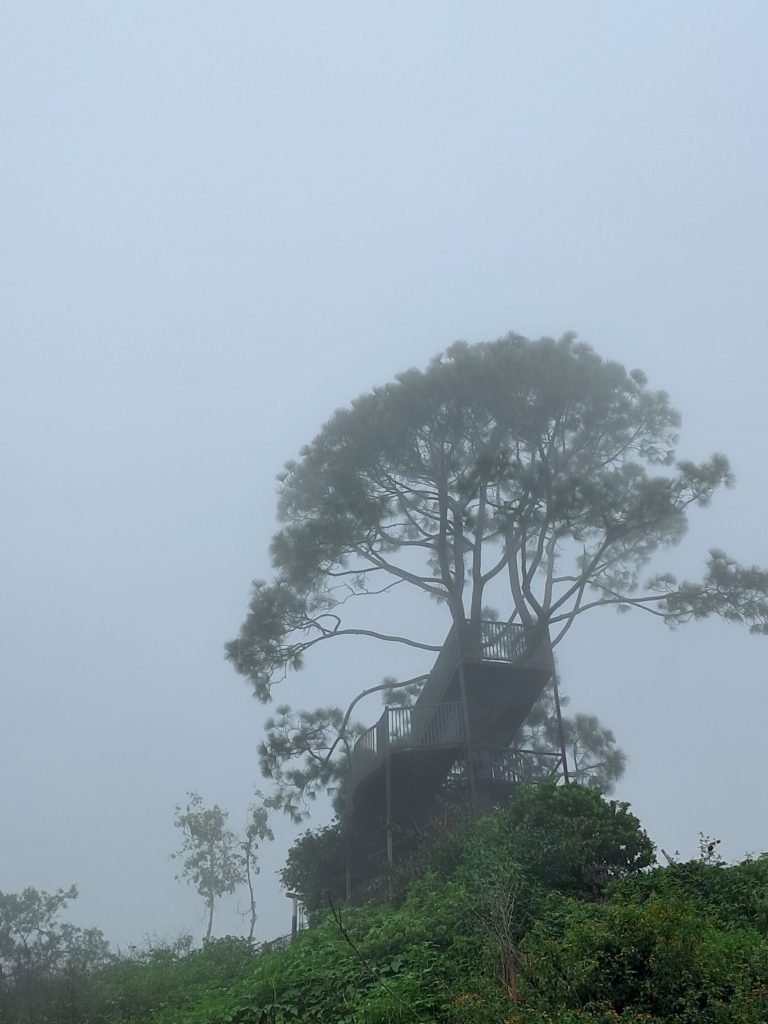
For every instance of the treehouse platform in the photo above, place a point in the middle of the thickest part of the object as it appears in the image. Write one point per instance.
(484, 683)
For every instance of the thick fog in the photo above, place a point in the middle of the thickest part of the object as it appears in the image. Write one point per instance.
(222, 222)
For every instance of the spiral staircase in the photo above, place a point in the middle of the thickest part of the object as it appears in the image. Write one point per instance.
(483, 685)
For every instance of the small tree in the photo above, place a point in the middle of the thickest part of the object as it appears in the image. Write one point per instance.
(44, 961)
(315, 867)
(211, 858)
(257, 830)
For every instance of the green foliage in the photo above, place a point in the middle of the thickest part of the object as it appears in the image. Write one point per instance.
(563, 838)
(316, 867)
(574, 841)
(732, 897)
(658, 959)
(171, 983)
(560, 837)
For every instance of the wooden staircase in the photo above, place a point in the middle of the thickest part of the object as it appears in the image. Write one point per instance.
(483, 685)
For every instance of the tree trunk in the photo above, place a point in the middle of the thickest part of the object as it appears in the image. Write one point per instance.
(509, 975)
(249, 880)
(210, 919)
(560, 732)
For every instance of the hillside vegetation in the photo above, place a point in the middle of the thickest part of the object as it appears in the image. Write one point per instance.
(550, 911)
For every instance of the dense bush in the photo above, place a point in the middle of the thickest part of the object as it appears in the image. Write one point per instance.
(316, 867)
(658, 959)
(566, 838)
(170, 982)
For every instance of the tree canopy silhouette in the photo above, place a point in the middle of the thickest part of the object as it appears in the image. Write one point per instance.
(534, 474)
(533, 463)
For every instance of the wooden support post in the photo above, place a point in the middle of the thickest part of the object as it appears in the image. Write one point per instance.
(460, 648)
(347, 866)
(560, 732)
(388, 798)
(295, 898)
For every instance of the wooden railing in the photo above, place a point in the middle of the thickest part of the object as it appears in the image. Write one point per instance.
(420, 726)
(406, 729)
(501, 764)
(500, 641)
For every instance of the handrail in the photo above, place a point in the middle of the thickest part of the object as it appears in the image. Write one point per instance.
(500, 641)
(406, 728)
(502, 764)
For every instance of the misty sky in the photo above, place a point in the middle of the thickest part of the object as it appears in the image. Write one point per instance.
(221, 222)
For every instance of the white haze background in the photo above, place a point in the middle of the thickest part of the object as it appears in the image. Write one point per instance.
(220, 222)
